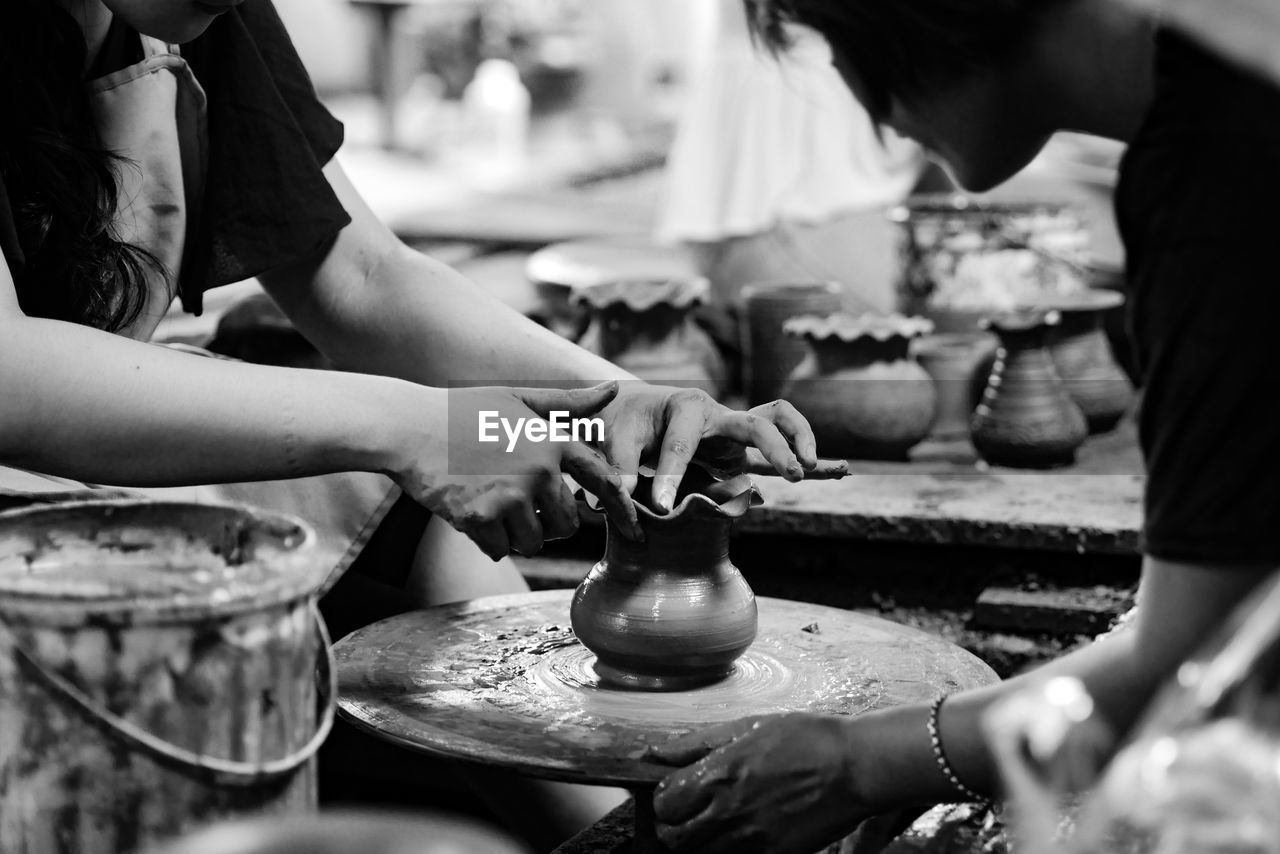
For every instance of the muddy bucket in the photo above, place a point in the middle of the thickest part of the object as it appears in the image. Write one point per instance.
(162, 665)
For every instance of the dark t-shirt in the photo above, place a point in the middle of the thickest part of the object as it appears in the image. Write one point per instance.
(266, 201)
(1199, 211)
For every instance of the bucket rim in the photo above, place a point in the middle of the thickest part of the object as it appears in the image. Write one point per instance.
(297, 572)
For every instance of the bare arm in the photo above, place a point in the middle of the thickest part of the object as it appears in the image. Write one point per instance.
(372, 304)
(81, 403)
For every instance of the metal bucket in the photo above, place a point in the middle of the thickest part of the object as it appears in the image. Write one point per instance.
(158, 670)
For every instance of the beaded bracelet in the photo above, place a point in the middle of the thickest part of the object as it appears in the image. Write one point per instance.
(940, 755)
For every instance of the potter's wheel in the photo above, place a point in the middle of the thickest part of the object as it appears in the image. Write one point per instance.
(502, 681)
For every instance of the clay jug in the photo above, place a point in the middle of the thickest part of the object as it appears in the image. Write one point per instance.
(1085, 362)
(671, 612)
(1026, 418)
(647, 328)
(865, 395)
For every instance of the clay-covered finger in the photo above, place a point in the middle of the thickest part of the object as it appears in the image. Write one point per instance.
(695, 745)
(590, 469)
(683, 795)
(558, 509)
(794, 427)
(491, 536)
(524, 530)
(694, 832)
(751, 429)
(622, 448)
(685, 426)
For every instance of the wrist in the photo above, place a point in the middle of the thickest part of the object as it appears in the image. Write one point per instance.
(392, 417)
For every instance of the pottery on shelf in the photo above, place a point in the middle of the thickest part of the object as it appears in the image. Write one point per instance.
(1084, 360)
(646, 326)
(959, 363)
(671, 612)
(1026, 418)
(864, 393)
(771, 354)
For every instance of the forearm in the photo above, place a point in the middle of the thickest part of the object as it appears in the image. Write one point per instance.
(96, 407)
(1181, 605)
(373, 305)
(417, 319)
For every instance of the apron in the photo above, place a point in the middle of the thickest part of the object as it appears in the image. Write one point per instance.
(152, 113)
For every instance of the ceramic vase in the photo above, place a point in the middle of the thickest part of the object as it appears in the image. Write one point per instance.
(1084, 360)
(864, 393)
(771, 354)
(1026, 418)
(646, 327)
(670, 612)
(959, 363)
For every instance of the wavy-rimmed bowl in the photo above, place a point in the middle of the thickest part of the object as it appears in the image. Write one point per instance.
(671, 612)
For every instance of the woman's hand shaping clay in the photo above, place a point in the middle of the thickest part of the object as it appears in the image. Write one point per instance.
(670, 427)
(506, 495)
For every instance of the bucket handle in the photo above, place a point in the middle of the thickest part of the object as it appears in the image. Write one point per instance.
(206, 768)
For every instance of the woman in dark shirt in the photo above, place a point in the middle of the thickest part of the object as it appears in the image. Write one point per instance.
(133, 171)
(983, 84)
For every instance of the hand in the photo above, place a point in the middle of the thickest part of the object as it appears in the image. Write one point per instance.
(506, 496)
(782, 784)
(678, 425)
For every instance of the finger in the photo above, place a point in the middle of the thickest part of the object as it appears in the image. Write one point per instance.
(589, 467)
(695, 745)
(559, 510)
(684, 794)
(524, 530)
(752, 429)
(795, 427)
(698, 834)
(578, 402)
(622, 447)
(755, 463)
(684, 431)
(491, 536)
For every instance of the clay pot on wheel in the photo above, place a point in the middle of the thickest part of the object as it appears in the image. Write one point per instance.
(1085, 362)
(647, 328)
(863, 392)
(1026, 418)
(671, 612)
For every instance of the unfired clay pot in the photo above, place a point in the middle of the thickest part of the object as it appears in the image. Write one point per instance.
(1026, 418)
(671, 612)
(863, 392)
(1085, 362)
(647, 328)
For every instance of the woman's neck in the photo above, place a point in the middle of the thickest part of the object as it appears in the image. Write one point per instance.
(94, 19)
(1098, 58)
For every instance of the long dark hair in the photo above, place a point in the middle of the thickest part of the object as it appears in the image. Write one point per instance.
(898, 47)
(61, 184)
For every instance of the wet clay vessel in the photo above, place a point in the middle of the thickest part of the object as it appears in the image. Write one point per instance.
(860, 387)
(1026, 418)
(672, 612)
